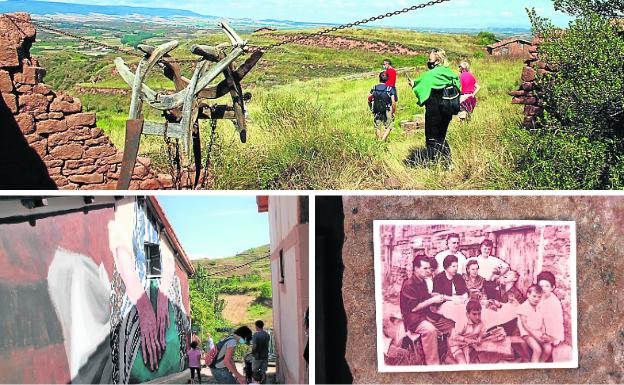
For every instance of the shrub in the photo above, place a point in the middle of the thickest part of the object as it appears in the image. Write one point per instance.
(265, 290)
(486, 38)
(579, 144)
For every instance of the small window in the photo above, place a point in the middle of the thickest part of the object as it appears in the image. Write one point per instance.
(281, 266)
(152, 258)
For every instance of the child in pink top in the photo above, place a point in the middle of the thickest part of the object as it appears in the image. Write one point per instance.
(469, 90)
(194, 355)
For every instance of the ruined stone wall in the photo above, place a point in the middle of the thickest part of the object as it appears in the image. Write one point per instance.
(48, 141)
(527, 94)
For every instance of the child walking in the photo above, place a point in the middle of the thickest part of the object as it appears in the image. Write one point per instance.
(194, 355)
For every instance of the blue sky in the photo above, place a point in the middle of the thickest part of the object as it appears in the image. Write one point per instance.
(458, 13)
(216, 226)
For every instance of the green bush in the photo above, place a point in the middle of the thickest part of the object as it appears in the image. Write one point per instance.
(265, 290)
(486, 38)
(580, 143)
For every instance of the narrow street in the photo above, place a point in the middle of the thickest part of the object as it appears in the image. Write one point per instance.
(185, 376)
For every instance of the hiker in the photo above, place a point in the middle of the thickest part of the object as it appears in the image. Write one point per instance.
(194, 356)
(223, 368)
(260, 349)
(430, 89)
(209, 342)
(469, 90)
(382, 103)
(392, 78)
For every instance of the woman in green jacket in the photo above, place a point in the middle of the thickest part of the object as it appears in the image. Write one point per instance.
(429, 89)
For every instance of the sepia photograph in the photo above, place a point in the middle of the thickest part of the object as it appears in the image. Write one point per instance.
(475, 295)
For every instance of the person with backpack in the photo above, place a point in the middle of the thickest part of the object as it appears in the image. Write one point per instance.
(438, 90)
(221, 358)
(382, 103)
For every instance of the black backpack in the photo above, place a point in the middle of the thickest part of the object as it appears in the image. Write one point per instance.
(450, 100)
(381, 100)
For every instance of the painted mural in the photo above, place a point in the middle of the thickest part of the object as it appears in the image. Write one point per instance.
(80, 303)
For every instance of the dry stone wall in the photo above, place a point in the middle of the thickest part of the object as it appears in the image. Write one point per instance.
(48, 142)
(527, 94)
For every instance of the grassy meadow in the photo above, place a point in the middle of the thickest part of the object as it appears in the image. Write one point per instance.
(309, 124)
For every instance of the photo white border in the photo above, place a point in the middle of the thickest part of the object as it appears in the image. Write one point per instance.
(381, 363)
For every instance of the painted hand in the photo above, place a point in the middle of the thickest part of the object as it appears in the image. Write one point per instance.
(162, 318)
(149, 333)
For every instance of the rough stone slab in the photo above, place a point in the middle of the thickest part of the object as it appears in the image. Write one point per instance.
(150, 185)
(60, 105)
(51, 126)
(528, 74)
(29, 75)
(6, 85)
(600, 281)
(87, 179)
(69, 151)
(96, 152)
(42, 89)
(8, 56)
(11, 102)
(26, 123)
(35, 103)
(81, 120)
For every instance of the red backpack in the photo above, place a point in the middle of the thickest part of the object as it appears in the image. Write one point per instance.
(211, 358)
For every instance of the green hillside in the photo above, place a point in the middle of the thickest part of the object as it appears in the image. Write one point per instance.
(309, 124)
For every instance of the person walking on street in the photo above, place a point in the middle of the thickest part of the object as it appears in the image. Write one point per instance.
(260, 350)
(430, 89)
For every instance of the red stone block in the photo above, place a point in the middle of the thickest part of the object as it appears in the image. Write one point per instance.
(96, 152)
(26, 123)
(30, 75)
(55, 115)
(24, 89)
(8, 56)
(107, 186)
(83, 119)
(41, 147)
(98, 142)
(59, 105)
(518, 101)
(527, 86)
(6, 85)
(51, 126)
(518, 93)
(69, 151)
(60, 181)
(53, 163)
(58, 139)
(80, 170)
(42, 89)
(42, 116)
(96, 132)
(11, 102)
(34, 102)
(542, 71)
(150, 185)
(74, 164)
(87, 178)
(528, 75)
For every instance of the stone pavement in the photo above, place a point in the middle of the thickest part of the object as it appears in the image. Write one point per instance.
(185, 376)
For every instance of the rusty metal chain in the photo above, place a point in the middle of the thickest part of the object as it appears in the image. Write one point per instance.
(252, 49)
(327, 31)
(174, 160)
(213, 132)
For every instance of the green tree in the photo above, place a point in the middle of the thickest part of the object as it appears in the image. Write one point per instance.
(486, 38)
(579, 144)
(608, 8)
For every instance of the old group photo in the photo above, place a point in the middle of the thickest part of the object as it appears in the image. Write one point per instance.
(475, 295)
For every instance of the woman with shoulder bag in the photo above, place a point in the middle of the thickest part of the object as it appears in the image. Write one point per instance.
(438, 91)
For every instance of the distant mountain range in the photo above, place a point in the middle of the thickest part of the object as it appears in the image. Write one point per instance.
(48, 8)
